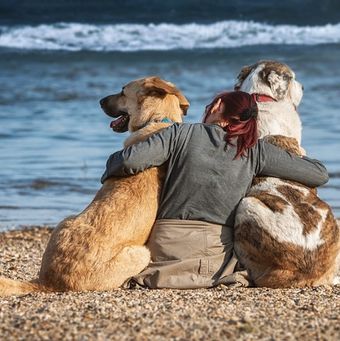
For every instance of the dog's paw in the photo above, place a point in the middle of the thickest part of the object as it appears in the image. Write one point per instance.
(336, 280)
(135, 257)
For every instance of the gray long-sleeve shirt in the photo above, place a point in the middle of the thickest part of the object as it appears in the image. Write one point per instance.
(203, 180)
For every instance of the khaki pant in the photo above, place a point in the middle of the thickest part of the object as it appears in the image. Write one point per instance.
(190, 254)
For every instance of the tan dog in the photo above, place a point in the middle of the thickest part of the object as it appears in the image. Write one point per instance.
(285, 235)
(278, 96)
(103, 246)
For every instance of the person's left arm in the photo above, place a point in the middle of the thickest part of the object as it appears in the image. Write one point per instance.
(276, 162)
(140, 156)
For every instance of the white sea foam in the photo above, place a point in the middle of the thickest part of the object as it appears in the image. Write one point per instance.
(137, 37)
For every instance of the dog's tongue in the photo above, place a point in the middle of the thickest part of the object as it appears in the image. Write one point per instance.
(116, 122)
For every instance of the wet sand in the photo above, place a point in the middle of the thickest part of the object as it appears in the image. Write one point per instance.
(140, 314)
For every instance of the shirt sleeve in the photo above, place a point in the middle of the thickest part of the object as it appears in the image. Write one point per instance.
(276, 162)
(152, 152)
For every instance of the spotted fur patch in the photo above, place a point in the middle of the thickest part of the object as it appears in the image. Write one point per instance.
(259, 180)
(273, 202)
(276, 264)
(304, 206)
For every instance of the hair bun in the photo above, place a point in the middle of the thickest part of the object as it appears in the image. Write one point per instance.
(248, 113)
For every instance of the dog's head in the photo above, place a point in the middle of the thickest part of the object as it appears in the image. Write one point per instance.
(289, 144)
(270, 78)
(142, 101)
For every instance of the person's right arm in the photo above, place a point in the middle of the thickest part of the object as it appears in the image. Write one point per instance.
(152, 152)
(276, 162)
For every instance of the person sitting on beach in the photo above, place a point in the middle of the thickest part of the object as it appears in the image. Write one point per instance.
(211, 166)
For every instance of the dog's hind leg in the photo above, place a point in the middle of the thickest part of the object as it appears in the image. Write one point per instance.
(130, 261)
(277, 278)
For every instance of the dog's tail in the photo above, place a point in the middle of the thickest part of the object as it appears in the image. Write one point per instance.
(11, 287)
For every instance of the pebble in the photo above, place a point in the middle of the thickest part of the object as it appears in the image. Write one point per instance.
(220, 313)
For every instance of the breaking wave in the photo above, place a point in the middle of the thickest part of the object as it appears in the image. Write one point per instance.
(164, 36)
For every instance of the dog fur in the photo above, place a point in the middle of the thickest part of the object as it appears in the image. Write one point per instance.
(276, 80)
(103, 246)
(284, 234)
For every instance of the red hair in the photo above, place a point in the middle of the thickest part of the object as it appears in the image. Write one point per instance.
(240, 110)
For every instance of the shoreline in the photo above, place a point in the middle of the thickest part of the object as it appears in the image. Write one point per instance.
(233, 313)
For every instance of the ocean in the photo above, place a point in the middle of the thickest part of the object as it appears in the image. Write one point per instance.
(57, 60)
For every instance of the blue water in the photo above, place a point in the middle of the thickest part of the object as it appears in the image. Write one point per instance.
(58, 60)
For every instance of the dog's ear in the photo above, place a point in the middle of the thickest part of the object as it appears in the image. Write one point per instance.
(155, 86)
(245, 71)
(278, 82)
(183, 102)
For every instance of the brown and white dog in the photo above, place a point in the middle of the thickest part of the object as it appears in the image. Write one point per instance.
(278, 96)
(103, 246)
(284, 234)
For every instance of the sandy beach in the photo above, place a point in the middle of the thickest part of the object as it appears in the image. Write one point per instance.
(140, 314)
